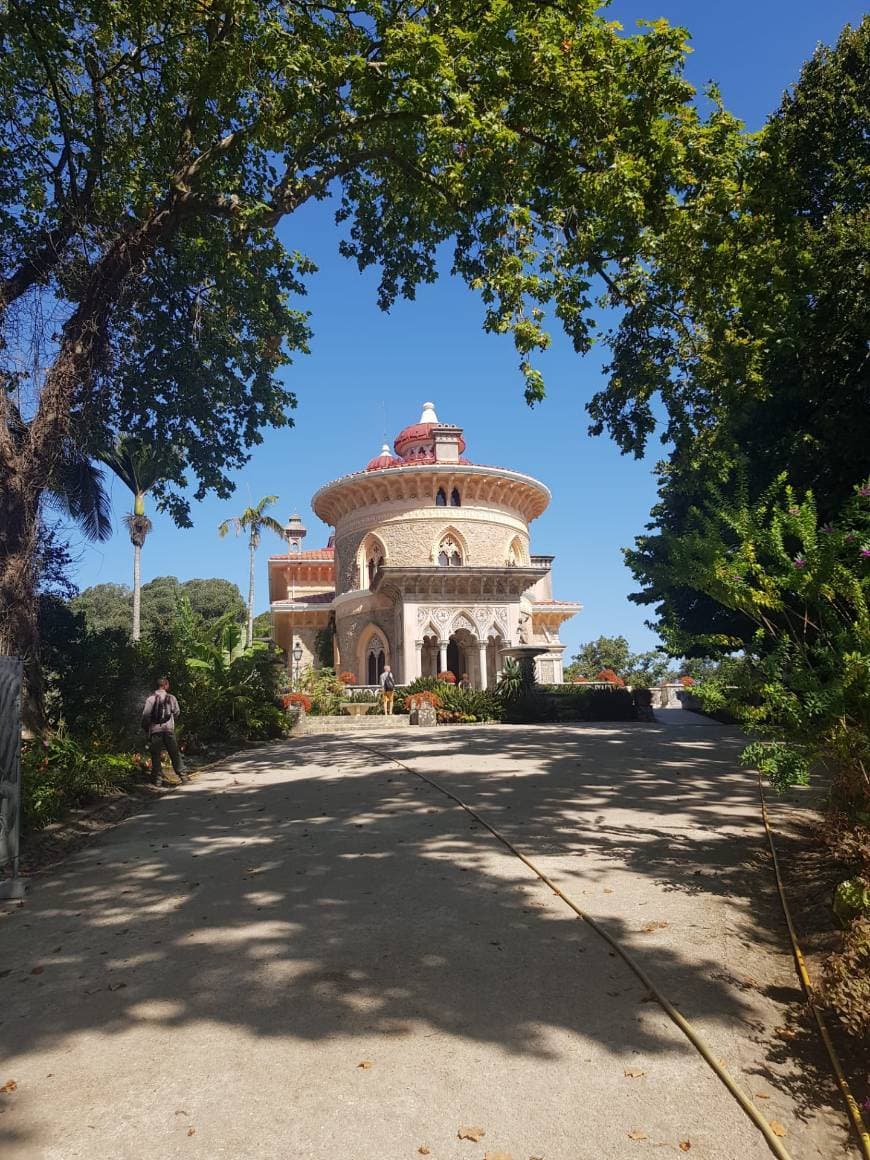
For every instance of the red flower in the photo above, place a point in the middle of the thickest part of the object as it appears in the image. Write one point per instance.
(610, 677)
(347, 678)
(426, 697)
(447, 677)
(297, 699)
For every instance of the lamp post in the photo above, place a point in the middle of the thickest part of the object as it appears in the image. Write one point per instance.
(297, 658)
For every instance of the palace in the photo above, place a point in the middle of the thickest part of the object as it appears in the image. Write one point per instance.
(429, 568)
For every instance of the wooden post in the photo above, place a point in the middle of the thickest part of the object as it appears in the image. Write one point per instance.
(10, 773)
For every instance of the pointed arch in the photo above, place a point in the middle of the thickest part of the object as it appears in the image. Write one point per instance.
(450, 550)
(455, 498)
(463, 619)
(517, 553)
(372, 555)
(373, 654)
(441, 497)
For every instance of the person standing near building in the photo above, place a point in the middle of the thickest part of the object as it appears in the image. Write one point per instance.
(158, 721)
(388, 689)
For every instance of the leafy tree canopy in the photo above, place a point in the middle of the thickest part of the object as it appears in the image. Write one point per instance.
(107, 606)
(752, 327)
(607, 652)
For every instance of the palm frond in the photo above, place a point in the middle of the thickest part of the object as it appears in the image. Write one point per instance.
(272, 525)
(140, 463)
(76, 489)
(233, 524)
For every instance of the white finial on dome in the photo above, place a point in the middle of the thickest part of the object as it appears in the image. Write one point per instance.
(385, 450)
(428, 415)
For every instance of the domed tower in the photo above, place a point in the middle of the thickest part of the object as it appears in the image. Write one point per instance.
(433, 569)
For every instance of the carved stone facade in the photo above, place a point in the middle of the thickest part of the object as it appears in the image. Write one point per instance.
(429, 567)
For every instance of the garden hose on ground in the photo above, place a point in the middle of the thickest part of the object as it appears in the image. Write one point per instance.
(694, 1038)
(807, 985)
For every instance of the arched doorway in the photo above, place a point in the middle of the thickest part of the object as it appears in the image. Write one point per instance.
(462, 650)
(375, 662)
(373, 655)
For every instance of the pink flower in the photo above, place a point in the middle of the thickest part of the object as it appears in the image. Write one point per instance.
(828, 529)
(865, 552)
(799, 562)
(864, 492)
(793, 511)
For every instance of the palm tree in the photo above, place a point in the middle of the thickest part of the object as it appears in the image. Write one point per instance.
(139, 464)
(252, 520)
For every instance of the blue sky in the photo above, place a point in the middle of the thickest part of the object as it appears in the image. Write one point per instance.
(369, 373)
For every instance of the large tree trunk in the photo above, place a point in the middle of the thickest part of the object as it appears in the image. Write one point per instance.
(137, 591)
(27, 456)
(19, 609)
(249, 635)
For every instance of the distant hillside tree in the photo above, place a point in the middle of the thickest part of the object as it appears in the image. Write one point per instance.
(108, 606)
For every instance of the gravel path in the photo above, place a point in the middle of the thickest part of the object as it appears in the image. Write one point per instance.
(310, 953)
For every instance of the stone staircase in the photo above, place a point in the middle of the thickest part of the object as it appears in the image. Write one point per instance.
(374, 723)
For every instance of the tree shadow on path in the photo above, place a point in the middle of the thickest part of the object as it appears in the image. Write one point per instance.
(321, 892)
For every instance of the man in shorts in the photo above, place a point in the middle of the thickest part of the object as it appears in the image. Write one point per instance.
(388, 689)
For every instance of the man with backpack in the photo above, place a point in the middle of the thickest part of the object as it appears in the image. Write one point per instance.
(388, 688)
(158, 721)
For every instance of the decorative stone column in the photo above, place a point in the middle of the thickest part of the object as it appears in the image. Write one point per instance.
(418, 646)
(481, 644)
(442, 656)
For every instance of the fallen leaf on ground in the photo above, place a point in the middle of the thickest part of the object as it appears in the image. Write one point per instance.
(423, 1150)
(633, 1072)
(37, 970)
(762, 1095)
(191, 1131)
(637, 1134)
(366, 1064)
(649, 927)
(116, 986)
(777, 1128)
(685, 1145)
(181, 1112)
(607, 890)
(8, 1087)
(471, 1134)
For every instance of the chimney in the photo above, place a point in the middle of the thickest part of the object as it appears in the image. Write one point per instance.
(446, 439)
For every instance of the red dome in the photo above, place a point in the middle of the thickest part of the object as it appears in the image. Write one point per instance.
(381, 461)
(418, 433)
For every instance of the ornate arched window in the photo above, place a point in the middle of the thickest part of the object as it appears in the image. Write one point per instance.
(371, 558)
(449, 554)
(441, 498)
(375, 660)
(455, 498)
(516, 553)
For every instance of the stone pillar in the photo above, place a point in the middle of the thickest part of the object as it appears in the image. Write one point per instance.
(481, 644)
(442, 656)
(418, 671)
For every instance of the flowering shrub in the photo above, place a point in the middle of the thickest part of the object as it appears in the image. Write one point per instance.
(610, 677)
(297, 700)
(426, 697)
(347, 678)
(687, 682)
(447, 677)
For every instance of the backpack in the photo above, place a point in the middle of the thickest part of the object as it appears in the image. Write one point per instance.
(389, 683)
(161, 710)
